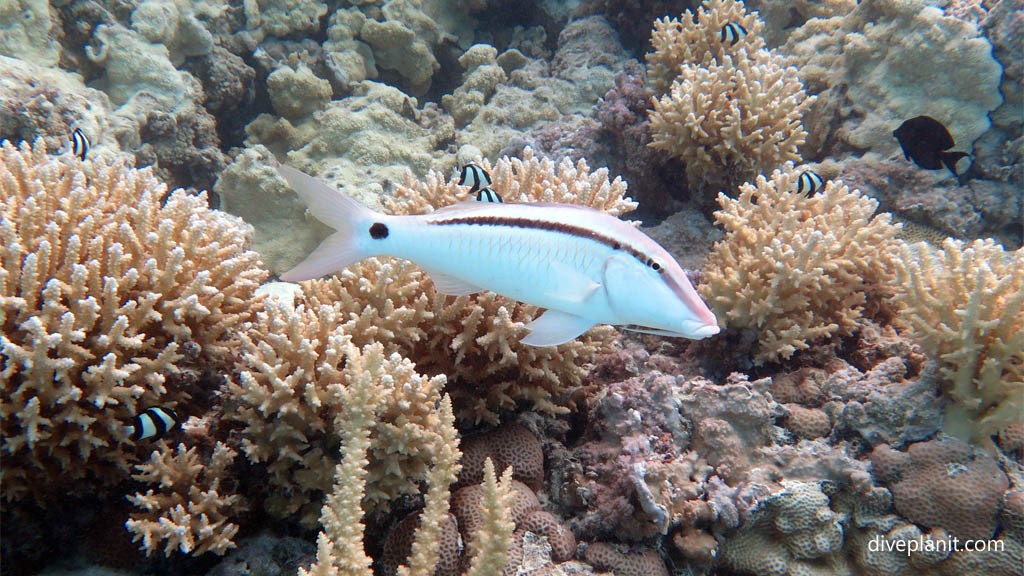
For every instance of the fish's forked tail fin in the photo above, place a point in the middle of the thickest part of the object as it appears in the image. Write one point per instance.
(951, 158)
(338, 211)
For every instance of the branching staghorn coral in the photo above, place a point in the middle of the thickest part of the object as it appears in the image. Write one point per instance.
(285, 395)
(490, 546)
(732, 109)
(189, 510)
(367, 374)
(696, 39)
(795, 268)
(106, 295)
(964, 304)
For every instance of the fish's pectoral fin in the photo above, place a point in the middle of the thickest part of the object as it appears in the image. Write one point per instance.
(571, 285)
(555, 327)
(450, 285)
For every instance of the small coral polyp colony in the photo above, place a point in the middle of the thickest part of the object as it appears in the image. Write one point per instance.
(866, 392)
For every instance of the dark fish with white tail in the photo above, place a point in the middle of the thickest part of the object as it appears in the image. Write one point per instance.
(733, 32)
(475, 177)
(927, 141)
(152, 424)
(488, 195)
(809, 182)
(585, 267)
(79, 143)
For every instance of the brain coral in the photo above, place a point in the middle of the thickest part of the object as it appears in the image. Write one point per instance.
(965, 305)
(107, 297)
(797, 268)
(731, 110)
(945, 483)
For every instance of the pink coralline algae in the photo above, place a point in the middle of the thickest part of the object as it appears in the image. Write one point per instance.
(658, 180)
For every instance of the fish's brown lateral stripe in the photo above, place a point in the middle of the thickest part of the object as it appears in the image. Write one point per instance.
(552, 227)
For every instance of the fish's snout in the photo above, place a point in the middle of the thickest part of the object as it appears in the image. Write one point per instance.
(706, 331)
(696, 330)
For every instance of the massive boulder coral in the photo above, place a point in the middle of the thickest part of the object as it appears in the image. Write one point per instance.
(965, 305)
(795, 268)
(109, 299)
(732, 109)
(891, 60)
(787, 533)
(944, 483)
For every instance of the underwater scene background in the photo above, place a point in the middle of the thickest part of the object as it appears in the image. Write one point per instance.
(842, 181)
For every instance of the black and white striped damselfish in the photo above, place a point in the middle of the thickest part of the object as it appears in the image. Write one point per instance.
(475, 177)
(809, 182)
(488, 195)
(153, 424)
(79, 143)
(733, 32)
(584, 266)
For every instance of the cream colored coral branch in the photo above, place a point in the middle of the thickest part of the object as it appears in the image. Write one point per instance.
(104, 282)
(965, 305)
(340, 544)
(795, 268)
(490, 545)
(189, 510)
(426, 546)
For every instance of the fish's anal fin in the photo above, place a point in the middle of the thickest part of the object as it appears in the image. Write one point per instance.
(451, 285)
(555, 327)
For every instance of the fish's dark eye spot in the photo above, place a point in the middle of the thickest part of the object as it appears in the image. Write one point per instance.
(656, 266)
(616, 246)
(378, 231)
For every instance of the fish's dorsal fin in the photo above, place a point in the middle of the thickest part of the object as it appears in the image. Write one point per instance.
(555, 327)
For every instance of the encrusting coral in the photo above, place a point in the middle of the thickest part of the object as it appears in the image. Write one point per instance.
(191, 509)
(732, 109)
(964, 304)
(111, 296)
(795, 268)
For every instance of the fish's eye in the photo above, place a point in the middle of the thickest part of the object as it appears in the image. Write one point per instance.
(657, 267)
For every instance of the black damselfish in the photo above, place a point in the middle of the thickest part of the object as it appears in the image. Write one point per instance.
(925, 141)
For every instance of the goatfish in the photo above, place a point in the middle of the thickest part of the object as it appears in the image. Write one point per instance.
(583, 266)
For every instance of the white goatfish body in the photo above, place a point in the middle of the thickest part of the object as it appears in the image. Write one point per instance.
(584, 266)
